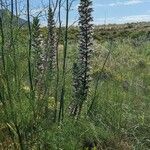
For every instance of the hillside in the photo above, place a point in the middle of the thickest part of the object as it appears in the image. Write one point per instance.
(131, 30)
(136, 31)
(16, 20)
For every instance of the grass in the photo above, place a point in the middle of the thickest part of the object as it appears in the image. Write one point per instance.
(119, 118)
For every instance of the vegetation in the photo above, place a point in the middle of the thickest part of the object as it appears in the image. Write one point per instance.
(101, 33)
(58, 91)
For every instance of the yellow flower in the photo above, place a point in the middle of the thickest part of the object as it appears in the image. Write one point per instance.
(51, 102)
(26, 88)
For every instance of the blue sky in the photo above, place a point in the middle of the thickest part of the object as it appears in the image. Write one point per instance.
(105, 11)
(121, 11)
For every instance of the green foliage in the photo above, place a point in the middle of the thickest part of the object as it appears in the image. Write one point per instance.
(120, 116)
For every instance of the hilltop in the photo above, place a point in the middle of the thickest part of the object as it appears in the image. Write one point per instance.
(135, 31)
(128, 30)
(16, 20)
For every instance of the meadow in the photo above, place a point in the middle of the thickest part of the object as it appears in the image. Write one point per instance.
(46, 105)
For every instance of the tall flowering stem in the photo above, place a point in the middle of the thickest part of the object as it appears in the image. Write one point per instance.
(50, 53)
(50, 57)
(37, 52)
(51, 41)
(82, 68)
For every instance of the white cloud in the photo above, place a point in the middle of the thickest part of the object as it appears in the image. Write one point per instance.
(123, 19)
(135, 18)
(119, 3)
(133, 2)
(126, 3)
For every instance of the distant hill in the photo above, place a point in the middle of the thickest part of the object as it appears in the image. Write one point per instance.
(136, 31)
(7, 14)
(139, 31)
(128, 30)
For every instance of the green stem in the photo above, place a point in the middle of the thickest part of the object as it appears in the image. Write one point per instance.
(61, 109)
